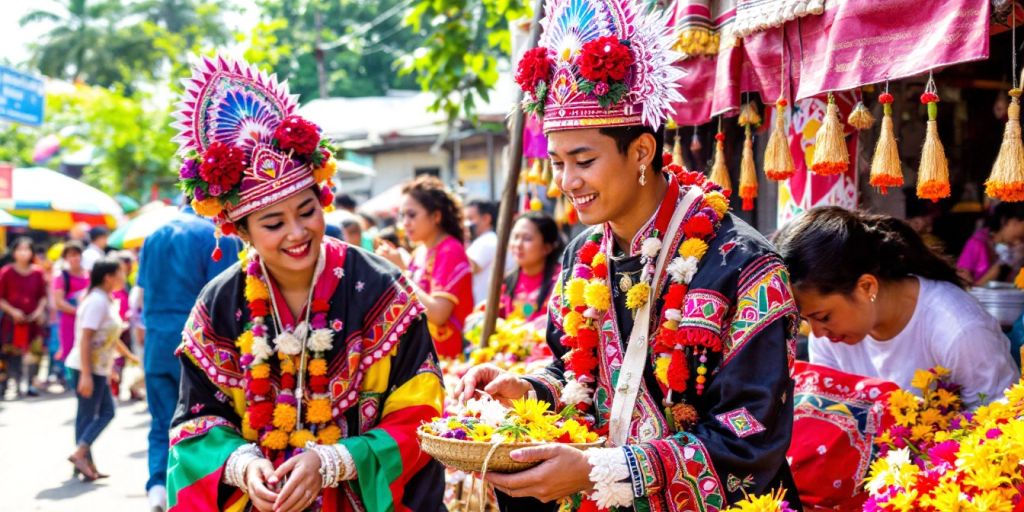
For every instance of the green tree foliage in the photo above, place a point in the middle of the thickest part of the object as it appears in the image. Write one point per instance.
(463, 41)
(131, 137)
(355, 41)
(16, 143)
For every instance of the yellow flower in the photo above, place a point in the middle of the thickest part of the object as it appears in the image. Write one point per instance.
(275, 440)
(326, 171)
(901, 400)
(905, 419)
(945, 497)
(285, 417)
(249, 433)
(572, 323)
(255, 289)
(717, 202)
(990, 501)
(693, 247)
(329, 435)
(941, 372)
(530, 410)
(599, 258)
(574, 291)
(661, 369)
(481, 433)
(762, 503)
(904, 501)
(637, 295)
(922, 379)
(260, 371)
(244, 342)
(319, 411)
(884, 439)
(597, 295)
(209, 207)
(318, 367)
(946, 399)
(920, 432)
(299, 438)
(931, 417)
(1015, 394)
(287, 364)
(1019, 280)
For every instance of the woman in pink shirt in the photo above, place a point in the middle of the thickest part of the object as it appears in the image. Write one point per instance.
(988, 254)
(536, 246)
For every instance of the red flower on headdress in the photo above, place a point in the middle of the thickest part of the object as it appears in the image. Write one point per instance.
(534, 67)
(298, 135)
(222, 167)
(604, 59)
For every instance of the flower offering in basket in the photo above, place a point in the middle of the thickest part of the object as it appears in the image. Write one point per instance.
(481, 436)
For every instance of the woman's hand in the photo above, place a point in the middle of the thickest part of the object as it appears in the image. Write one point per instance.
(259, 478)
(18, 316)
(494, 381)
(563, 472)
(389, 252)
(85, 385)
(303, 482)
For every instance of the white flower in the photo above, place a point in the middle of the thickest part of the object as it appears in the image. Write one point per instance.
(321, 340)
(898, 457)
(592, 314)
(339, 272)
(261, 350)
(613, 495)
(650, 248)
(491, 411)
(674, 315)
(682, 269)
(608, 465)
(288, 344)
(301, 331)
(576, 393)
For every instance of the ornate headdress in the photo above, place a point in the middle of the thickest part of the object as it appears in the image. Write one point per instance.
(243, 149)
(600, 63)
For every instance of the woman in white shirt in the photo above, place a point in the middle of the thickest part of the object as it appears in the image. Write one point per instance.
(881, 303)
(97, 337)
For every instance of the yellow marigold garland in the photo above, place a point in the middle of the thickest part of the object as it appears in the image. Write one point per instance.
(575, 289)
(209, 207)
(299, 438)
(318, 367)
(597, 295)
(694, 247)
(275, 440)
(260, 371)
(319, 411)
(285, 417)
(636, 297)
(329, 435)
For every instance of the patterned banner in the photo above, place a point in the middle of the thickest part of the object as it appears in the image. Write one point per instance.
(806, 190)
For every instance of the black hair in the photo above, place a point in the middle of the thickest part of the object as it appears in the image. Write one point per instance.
(72, 246)
(829, 248)
(345, 202)
(548, 229)
(430, 193)
(349, 223)
(243, 223)
(625, 135)
(1003, 213)
(98, 232)
(484, 207)
(105, 266)
(390, 234)
(21, 240)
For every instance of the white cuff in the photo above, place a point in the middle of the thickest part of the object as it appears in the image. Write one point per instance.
(336, 463)
(238, 462)
(610, 476)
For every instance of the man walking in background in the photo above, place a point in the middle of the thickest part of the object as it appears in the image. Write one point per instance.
(174, 266)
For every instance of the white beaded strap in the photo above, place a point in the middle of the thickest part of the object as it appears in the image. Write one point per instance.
(348, 464)
(609, 473)
(238, 462)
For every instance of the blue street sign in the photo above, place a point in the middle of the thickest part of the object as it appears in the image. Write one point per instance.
(21, 97)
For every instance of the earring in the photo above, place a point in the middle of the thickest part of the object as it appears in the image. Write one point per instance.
(643, 174)
(873, 297)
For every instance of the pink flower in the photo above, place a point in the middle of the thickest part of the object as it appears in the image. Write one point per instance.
(337, 325)
(583, 272)
(601, 88)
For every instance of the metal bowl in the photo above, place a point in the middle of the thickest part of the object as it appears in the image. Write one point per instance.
(1003, 303)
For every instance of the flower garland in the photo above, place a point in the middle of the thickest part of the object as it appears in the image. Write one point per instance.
(587, 298)
(533, 76)
(274, 420)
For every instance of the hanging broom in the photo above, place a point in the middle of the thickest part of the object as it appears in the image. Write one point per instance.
(1007, 180)
(861, 117)
(933, 173)
(778, 160)
(830, 153)
(886, 170)
(719, 171)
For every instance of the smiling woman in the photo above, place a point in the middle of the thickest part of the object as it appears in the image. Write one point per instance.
(883, 304)
(307, 367)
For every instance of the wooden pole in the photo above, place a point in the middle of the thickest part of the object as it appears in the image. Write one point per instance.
(510, 197)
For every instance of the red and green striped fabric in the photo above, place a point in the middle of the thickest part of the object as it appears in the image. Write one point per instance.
(195, 466)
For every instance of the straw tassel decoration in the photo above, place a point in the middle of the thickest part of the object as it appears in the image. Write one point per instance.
(695, 145)
(830, 153)
(1007, 180)
(748, 173)
(778, 160)
(933, 173)
(861, 117)
(886, 169)
(677, 149)
(748, 119)
(719, 171)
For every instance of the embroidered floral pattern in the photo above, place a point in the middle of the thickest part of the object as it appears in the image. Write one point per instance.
(740, 422)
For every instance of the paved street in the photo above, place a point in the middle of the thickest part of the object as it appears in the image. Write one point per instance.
(36, 436)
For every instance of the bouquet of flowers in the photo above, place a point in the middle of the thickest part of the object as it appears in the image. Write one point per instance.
(938, 459)
(773, 502)
(481, 435)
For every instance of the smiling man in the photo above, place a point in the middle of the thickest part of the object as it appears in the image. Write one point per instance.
(673, 321)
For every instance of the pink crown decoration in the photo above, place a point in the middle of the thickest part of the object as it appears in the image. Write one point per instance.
(600, 63)
(242, 146)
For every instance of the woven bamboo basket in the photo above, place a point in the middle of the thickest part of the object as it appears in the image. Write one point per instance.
(470, 456)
